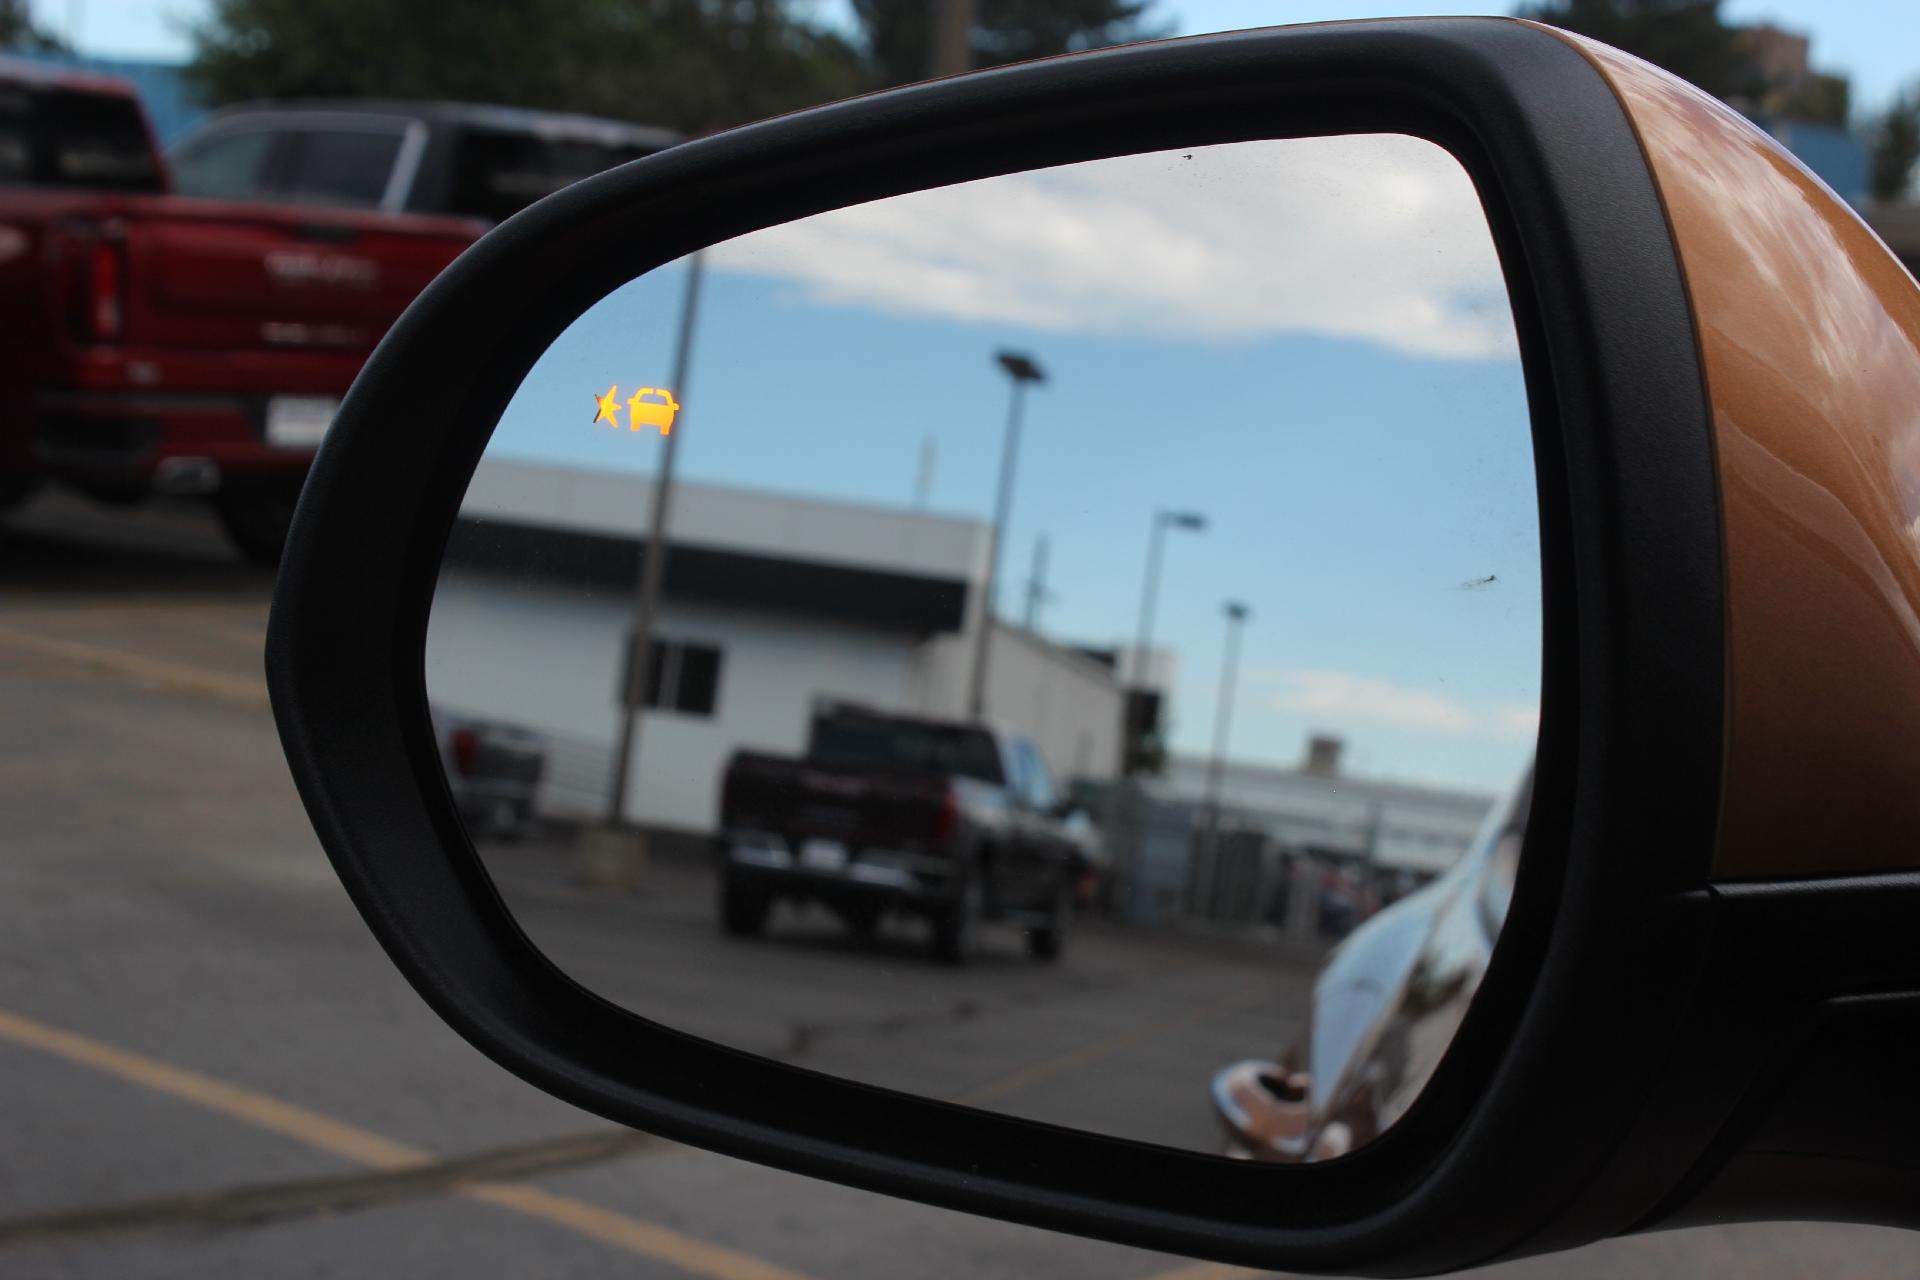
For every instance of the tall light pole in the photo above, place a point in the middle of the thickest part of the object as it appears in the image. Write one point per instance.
(1023, 370)
(1223, 717)
(1191, 522)
(646, 600)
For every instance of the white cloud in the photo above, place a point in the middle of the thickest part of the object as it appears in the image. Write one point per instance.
(1343, 696)
(1516, 719)
(1378, 238)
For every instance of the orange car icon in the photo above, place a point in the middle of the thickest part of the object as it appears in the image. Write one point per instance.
(642, 412)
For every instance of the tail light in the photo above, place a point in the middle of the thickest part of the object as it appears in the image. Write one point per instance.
(96, 285)
(466, 749)
(106, 290)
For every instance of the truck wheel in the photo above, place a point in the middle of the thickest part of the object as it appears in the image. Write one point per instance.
(1049, 941)
(256, 515)
(862, 922)
(956, 929)
(743, 913)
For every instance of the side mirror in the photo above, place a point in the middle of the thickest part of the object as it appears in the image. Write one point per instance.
(1701, 1004)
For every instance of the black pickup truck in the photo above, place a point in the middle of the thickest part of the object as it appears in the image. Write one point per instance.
(956, 823)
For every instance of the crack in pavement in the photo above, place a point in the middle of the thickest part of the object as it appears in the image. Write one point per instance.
(803, 1037)
(257, 1204)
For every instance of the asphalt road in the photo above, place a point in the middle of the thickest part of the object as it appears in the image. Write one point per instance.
(210, 1069)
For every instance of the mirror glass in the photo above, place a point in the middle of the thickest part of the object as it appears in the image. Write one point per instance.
(1092, 655)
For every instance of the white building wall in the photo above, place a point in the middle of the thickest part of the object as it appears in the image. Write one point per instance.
(1067, 703)
(548, 659)
(546, 656)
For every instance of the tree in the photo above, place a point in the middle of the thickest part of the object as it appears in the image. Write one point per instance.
(899, 33)
(1894, 148)
(19, 31)
(692, 64)
(1687, 37)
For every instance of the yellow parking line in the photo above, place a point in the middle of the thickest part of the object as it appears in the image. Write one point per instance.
(631, 1234)
(177, 677)
(361, 1146)
(1205, 1271)
(257, 1109)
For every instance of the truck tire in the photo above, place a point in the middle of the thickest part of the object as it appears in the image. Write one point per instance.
(743, 912)
(256, 515)
(863, 922)
(1049, 941)
(956, 927)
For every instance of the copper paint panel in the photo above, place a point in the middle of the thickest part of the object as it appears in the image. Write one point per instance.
(1810, 336)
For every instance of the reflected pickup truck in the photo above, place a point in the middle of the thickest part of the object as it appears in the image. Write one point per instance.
(955, 823)
(159, 344)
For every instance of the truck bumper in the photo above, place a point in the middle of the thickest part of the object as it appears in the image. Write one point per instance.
(883, 877)
(128, 444)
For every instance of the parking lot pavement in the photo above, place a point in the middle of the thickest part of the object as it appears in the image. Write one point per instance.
(211, 1070)
(1119, 1036)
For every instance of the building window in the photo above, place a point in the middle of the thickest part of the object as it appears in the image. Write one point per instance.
(683, 677)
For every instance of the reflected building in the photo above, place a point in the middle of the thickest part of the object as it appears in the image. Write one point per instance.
(1289, 842)
(772, 604)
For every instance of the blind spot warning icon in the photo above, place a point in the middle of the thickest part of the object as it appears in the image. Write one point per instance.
(642, 412)
(607, 407)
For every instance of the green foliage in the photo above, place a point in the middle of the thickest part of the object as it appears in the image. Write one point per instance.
(1687, 37)
(899, 33)
(692, 64)
(1821, 99)
(1895, 148)
(19, 31)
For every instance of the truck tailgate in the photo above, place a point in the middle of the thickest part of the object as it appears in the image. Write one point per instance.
(207, 274)
(862, 808)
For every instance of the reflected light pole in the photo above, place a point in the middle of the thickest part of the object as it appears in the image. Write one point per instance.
(1237, 614)
(1192, 522)
(646, 600)
(1023, 370)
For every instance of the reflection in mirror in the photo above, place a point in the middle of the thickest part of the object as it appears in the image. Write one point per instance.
(1086, 597)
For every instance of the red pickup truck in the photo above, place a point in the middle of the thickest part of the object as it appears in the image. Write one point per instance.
(158, 344)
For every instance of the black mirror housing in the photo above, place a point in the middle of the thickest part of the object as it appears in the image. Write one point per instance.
(1516, 1144)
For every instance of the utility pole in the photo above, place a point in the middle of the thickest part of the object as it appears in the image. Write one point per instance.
(1023, 370)
(952, 51)
(1133, 684)
(1037, 583)
(646, 601)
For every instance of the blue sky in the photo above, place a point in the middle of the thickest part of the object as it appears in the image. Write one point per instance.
(1306, 341)
(1877, 41)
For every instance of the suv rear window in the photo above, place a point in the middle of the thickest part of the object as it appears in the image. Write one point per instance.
(68, 138)
(349, 168)
(498, 172)
(875, 742)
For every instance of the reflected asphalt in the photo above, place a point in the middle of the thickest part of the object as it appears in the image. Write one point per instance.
(162, 900)
(1120, 1036)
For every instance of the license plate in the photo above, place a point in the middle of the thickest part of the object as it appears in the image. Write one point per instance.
(823, 855)
(298, 422)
